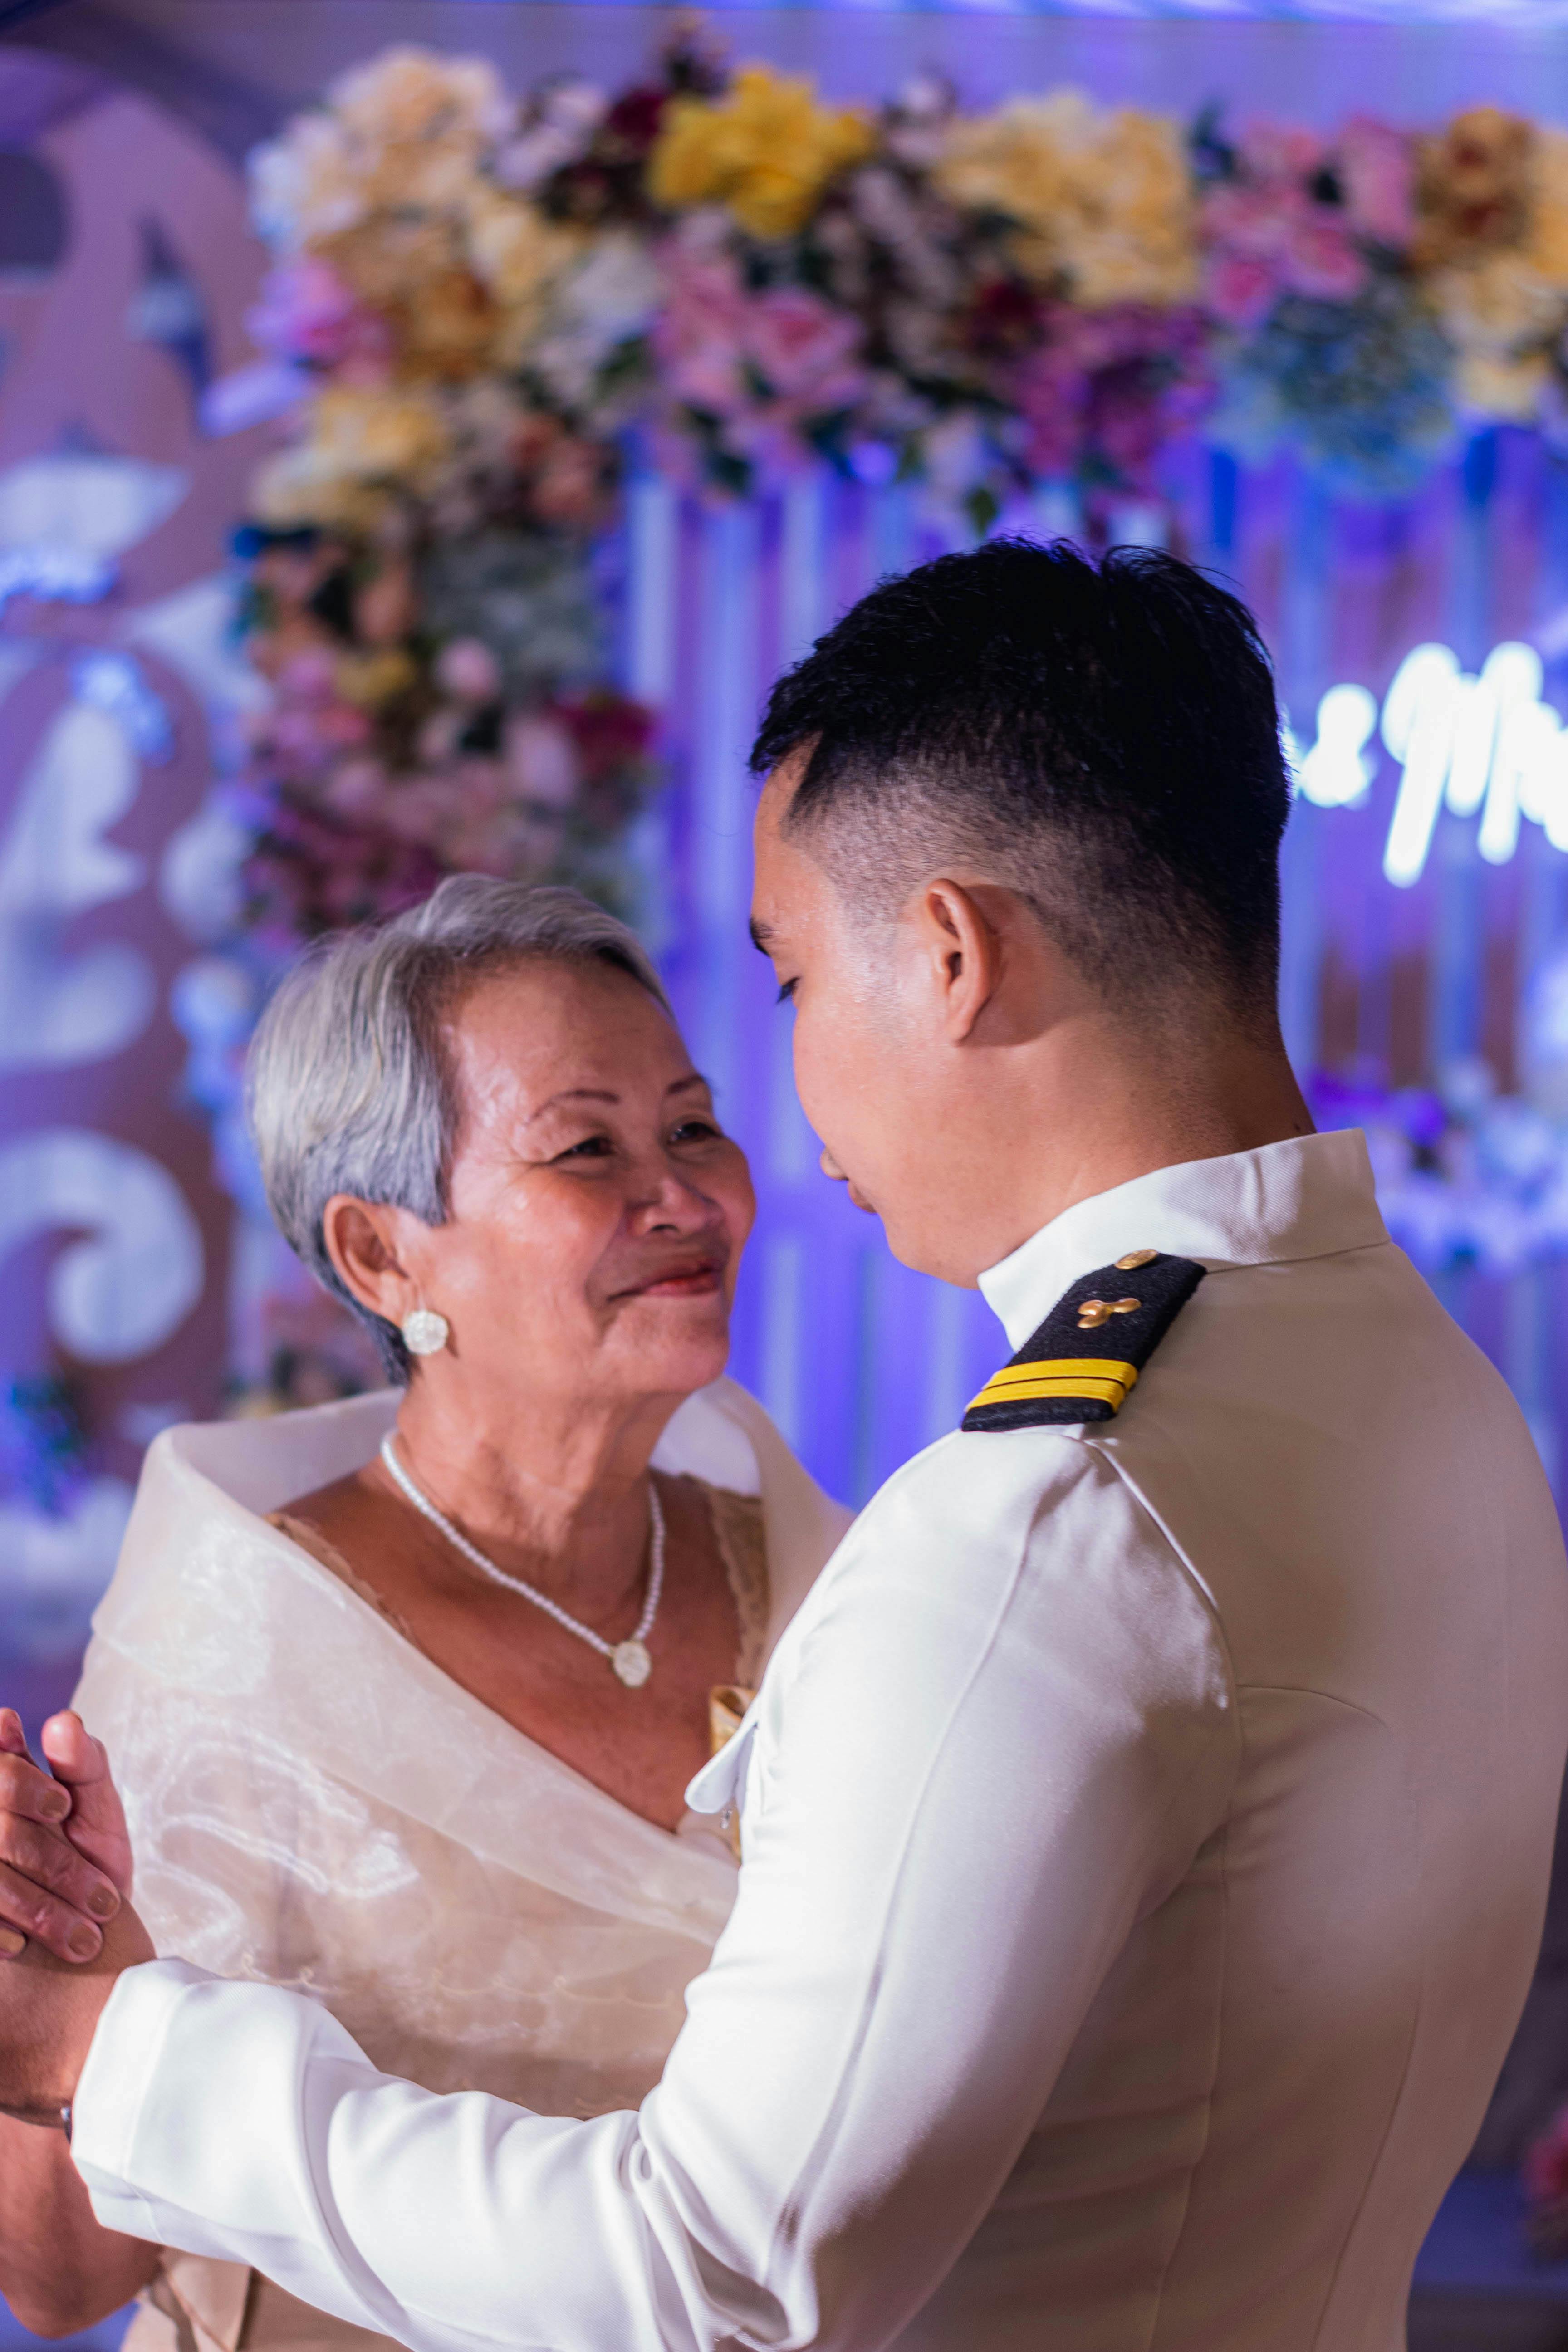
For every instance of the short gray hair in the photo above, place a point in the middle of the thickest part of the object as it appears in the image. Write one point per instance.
(346, 1088)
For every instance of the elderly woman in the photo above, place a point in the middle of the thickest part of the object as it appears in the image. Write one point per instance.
(403, 1693)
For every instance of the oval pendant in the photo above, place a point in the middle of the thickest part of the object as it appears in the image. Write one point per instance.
(632, 1663)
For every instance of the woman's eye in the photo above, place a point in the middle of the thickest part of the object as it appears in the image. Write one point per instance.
(786, 990)
(695, 1130)
(592, 1147)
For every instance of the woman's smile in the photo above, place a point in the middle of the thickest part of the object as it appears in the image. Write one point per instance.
(685, 1279)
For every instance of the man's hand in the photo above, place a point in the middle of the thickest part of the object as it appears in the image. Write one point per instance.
(65, 1856)
(49, 2011)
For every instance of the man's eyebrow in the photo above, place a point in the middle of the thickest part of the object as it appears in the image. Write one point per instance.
(761, 933)
(680, 1086)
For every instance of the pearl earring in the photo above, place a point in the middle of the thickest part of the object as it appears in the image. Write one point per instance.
(426, 1333)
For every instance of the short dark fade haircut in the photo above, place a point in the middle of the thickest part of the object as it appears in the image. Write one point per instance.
(1102, 736)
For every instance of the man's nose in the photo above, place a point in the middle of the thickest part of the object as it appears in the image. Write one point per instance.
(829, 1167)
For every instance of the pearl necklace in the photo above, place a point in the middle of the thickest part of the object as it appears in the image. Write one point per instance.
(630, 1659)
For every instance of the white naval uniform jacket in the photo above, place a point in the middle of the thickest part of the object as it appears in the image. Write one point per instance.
(1146, 1834)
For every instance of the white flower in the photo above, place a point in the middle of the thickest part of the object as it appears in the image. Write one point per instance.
(610, 299)
(411, 130)
(305, 187)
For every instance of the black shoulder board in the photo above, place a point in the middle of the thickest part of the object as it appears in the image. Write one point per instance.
(1084, 1359)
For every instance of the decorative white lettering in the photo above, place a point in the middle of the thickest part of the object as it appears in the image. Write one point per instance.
(1484, 746)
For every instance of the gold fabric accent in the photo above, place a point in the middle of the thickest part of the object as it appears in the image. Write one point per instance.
(1136, 1258)
(1060, 1376)
(742, 1546)
(727, 1704)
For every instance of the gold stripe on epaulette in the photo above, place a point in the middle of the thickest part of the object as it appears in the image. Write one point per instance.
(1060, 1376)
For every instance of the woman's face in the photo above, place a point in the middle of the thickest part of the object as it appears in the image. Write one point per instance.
(597, 1210)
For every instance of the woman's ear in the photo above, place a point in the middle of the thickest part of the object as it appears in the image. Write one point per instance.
(361, 1239)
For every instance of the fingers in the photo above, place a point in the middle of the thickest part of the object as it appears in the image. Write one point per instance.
(48, 1892)
(78, 1759)
(74, 1754)
(49, 1889)
(97, 1825)
(31, 1794)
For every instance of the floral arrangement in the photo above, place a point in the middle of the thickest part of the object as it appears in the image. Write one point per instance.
(479, 302)
(457, 363)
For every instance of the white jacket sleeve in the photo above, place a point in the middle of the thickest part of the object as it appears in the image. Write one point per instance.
(996, 1735)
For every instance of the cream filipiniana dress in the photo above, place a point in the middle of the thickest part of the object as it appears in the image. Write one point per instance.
(314, 1802)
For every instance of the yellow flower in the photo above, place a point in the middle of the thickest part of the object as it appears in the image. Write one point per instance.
(766, 150)
(1473, 186)
(1102, 202)
(369, 680)
(1504, 308)
(1547, 240)
(359, 448)
(517, 255)
(1494, 385)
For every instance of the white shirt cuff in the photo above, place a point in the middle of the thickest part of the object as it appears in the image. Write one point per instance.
(110, 2094)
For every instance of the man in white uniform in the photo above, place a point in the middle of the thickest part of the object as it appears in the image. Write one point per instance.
(1147, 1818)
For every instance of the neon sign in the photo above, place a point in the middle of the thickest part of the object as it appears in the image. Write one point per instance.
(1485, 746)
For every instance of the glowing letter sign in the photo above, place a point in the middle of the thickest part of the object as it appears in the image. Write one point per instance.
(1486, 746)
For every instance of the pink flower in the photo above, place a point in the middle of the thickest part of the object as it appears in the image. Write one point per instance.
(804, 347)
(1111, 385)
(466, 668)
(699, 332)
(310, 677)
(308, 315)
(1242, 288)
(1300, 214)
(358, 789)
(1323, 261)
(1274, 151)
(767, 365)
(1377, 169)
(343, 727)
(541, 760)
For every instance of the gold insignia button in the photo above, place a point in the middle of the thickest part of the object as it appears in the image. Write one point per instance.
(1136, 1258)
(1096, 1311)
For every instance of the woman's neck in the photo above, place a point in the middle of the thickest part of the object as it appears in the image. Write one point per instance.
(553, 1491)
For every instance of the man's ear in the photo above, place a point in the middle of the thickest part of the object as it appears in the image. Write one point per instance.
(963, 951)
(360, 1240)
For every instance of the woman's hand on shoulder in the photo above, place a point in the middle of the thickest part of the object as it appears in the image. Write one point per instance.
(65, 1853)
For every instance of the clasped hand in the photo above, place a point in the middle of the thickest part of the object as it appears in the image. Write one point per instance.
(66, 1920)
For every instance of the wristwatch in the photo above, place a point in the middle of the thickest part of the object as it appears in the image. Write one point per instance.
(66, 2121)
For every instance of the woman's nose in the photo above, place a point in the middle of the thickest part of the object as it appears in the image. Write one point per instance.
(678, 1207)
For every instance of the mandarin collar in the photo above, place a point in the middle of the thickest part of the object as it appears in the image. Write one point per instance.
(1306, 1197)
